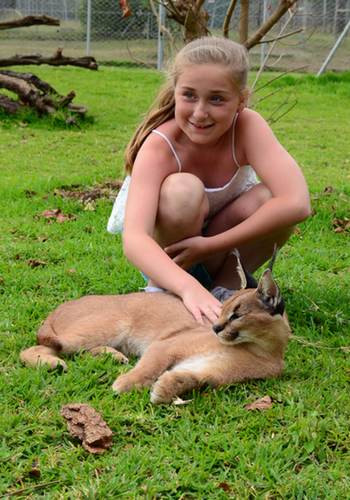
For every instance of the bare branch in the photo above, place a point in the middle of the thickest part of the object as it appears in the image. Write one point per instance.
(280, 37)
(30, 21)
(264, 62)
(228, 17)
(244, 21)
(280, 10)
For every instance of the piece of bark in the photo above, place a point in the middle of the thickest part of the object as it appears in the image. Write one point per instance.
(88, 426)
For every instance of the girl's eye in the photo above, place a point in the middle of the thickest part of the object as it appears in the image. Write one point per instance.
(216, 99)
(189, 96)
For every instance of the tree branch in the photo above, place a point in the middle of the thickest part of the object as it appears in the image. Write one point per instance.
(280, 10)
(244, 21)
(228, 17)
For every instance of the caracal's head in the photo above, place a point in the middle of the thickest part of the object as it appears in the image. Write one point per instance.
(255, 316)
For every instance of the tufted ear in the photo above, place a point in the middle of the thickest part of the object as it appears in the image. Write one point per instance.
(269, 293)
(247, 280)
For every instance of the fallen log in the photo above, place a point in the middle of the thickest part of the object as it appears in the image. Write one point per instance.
(29, 21)
(39, 95)
(58, 59)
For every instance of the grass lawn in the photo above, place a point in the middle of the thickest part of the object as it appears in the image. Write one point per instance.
(212, 447)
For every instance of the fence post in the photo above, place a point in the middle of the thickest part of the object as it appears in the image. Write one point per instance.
(88, 27)
(160, 49)
(334, 49)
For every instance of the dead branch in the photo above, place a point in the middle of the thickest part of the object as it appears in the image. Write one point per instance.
(271, 48)
(32, 79)
(280, 37)
(244, 21)
(228, 17)
(9, 105)
(33, 92)
(30, 21)
(280, 10)
(56, 60)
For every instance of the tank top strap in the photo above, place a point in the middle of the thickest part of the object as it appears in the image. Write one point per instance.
(233, 140)
(167, 140)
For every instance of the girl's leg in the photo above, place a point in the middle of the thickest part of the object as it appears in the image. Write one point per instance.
(223, 266)
(182, 209)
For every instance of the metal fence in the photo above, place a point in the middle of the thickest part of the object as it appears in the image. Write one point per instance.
(97, 27)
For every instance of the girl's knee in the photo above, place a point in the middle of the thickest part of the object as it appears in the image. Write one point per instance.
(251, 201)
(182, 195)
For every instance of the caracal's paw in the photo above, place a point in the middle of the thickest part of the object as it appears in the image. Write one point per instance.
(171, 385)
(117, 355)
(122, 384)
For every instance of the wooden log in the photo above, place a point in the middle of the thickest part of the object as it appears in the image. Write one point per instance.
(56, 60)
(29, 21)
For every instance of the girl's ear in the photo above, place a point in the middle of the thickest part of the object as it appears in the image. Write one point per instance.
(244, 98)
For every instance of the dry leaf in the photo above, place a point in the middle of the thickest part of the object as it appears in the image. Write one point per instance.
(224, 486)
(88, 426)
(125, 8)
(260, 404)
(328, 190)
(341, 225)
(57, 215)
(36, 263)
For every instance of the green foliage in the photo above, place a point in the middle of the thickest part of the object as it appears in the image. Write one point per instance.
(211, 448)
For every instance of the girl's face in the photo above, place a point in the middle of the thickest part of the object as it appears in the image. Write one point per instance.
(205, 102)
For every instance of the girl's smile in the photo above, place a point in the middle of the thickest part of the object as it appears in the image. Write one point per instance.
(205, 102)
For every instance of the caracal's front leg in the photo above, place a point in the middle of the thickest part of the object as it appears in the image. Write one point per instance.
(178, 381)
(155, 360)
(105, 349)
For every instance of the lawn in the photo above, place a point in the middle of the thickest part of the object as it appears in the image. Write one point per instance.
(213, 447)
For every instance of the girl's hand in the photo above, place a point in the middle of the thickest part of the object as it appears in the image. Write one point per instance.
(187, 252)
(203, 306)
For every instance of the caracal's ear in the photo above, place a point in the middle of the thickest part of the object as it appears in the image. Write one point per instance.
(247, 280)
(269, 293)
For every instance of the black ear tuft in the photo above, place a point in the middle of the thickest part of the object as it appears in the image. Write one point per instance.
(269, 293)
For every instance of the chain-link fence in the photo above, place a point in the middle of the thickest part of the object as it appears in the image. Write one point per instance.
(98, 27)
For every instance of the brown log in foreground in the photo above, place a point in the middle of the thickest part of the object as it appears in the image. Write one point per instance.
(33, 92)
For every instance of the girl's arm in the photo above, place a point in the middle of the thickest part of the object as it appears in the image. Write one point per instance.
(153, 164)
(279, 172)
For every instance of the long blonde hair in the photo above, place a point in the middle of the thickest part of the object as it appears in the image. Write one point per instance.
(205, 50)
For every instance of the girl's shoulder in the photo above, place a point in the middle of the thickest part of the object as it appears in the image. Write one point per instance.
(249, 117)
(155, 149)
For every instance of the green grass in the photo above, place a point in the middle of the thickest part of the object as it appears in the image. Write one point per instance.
(213, 447)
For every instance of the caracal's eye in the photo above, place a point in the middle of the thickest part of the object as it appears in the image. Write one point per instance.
(233, 316)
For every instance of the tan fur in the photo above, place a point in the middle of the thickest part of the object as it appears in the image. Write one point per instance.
(177, 354)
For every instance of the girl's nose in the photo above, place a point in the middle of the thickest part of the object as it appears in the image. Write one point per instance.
(200, 111)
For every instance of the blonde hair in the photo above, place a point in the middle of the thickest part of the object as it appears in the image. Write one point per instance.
(205, 50)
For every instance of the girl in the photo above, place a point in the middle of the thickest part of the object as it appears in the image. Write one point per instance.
(194, 194)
